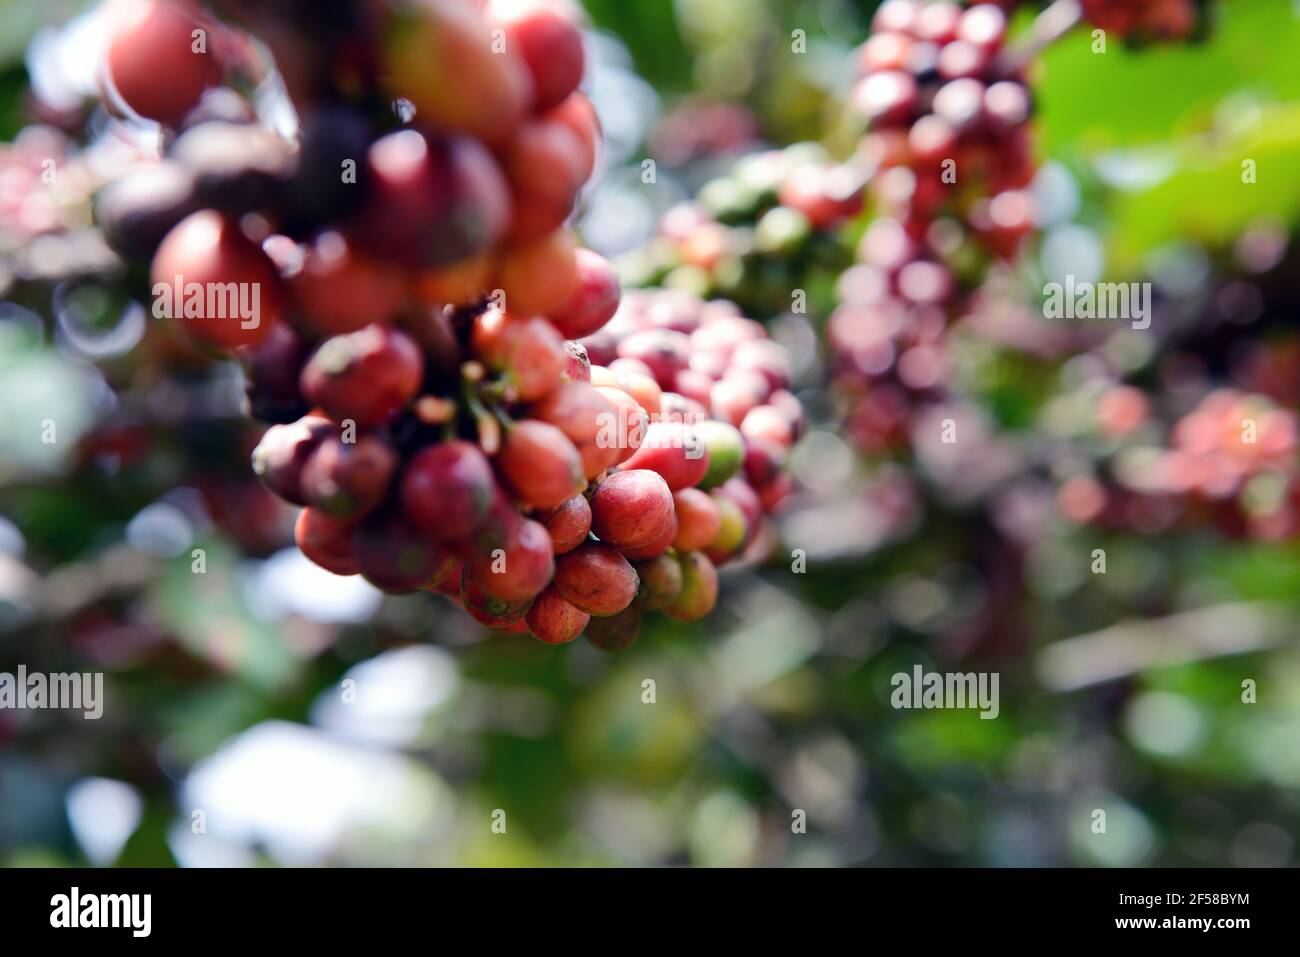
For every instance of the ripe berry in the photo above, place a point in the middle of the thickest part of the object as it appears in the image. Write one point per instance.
(577, 113)
(393, 554)
(539, 464)
(656, 547)
(448, 490)
(569, 524)
(151, 58)
(698, 519)
(520, 569)
(340, 290)
(282, 452)
(333, 137)
(540, 275)
(886, 98)
(594, 301)
(674, 451)
(768, 422)
(326, 541)
(271, 372)
(554, 620)
(237, 166)
(347, 480)
(585, 416)
(137, 211)
(549, 43)
(545, 166)
(487, 609)
(764, 460)
(631, 509)
(527, 352)
(364, 376)
(431, 201)
(596, 578)
(439, 55)
(220, 286)
(632, 422)
(664, 352)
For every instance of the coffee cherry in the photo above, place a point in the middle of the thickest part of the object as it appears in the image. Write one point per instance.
(733, 529)
(698, 519)
(596, 578)
(628, 431)
(448, 490)
(152, 61)
(724, 449)
(364, 376)
(569, 524)
(280, 456)
(585, 416)
(699, 593)
(432, 201)
(137, 211)
(615, 632)
(764, 460)
(332, 138)
(594, 301)
(527, 353)
(644, 391)
(540, 275)
(439, 55)
(886, 98)
(487, 609)
(674, 451)
(554, 620)
(518, 571)
(326, 541)
(631, 509)
(547, 41)
(539, 465)
(396, 556)
(743, 494)
(656, 547)
(237, 167)
(347, 480)
(983, 25)
(271, 372)
(340, 290)
(221, 287)
(545, 166)
(577, 113)
(770, 423)
(661, 582)
(664, 352)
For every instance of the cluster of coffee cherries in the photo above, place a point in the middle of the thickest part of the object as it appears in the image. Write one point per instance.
(1230, 463)
(950, 157)
(541, 491)
(407, 303)
(465, 186)
(948, 120)
(762, 228)
(717, 371)
(1144, 19)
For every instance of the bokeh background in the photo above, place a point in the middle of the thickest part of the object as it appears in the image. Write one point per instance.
(227, 736)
